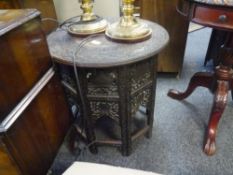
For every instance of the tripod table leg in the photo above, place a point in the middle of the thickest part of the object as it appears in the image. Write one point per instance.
(220, 100)
(204, 79)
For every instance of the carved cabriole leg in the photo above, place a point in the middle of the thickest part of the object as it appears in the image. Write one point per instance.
(219, 83)
(90, 133)
(223, 75)
(125, 111)
(151, 105)
(220, 100)
(204, 79)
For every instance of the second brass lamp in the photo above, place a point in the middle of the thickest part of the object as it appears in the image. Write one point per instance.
(89, 23)
(129, 28)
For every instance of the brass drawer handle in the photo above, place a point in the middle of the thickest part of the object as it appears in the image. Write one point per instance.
(222, 18)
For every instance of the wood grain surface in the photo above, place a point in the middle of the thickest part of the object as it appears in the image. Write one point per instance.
(164, 12)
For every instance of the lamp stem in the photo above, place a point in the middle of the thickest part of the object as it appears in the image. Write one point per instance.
(129, 28)
(87, 7)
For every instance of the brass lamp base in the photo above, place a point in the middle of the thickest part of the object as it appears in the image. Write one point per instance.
(128, 30)
(83, 28)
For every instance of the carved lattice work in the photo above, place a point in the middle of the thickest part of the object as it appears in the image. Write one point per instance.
(103, 91)
(102, 84)
(139, 82)
(140, 76)
(146, 97)
(141, 98)
(103, 108)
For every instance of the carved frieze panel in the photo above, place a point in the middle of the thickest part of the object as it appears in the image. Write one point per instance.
(103, 91)
(104, 108)
(136, 102)
(142, 98)
(146, 97)
(140, 76)
(139, 82)
(102, 83)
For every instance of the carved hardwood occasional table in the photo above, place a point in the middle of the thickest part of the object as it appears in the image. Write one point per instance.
(217, 14)
(115, 79)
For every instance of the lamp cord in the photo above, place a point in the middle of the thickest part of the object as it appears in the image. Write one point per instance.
(63, 25)
(77, 80)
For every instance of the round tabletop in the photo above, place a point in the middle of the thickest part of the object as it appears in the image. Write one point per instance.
(216, 2)
(99, 51)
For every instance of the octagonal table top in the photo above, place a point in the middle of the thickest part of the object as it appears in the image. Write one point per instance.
(216, 2)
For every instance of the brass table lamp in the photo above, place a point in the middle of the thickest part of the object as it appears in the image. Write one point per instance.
(89, 23)
(129, 28)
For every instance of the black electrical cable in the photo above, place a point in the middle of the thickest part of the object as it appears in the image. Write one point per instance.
(77, 80)
(71, 21)
(63, 25)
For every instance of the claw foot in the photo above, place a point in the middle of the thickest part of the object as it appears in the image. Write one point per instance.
(174, 94)
(210, 147)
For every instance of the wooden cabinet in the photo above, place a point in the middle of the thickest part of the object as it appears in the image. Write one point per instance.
(8, 4)
(34, 115)
(46, 7)
(164, 12)
(25, 58)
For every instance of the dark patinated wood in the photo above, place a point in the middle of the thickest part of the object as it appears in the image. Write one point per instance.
(117, 93)
(164, 12)
(46, 7)
(34, 116)
(114, 83)
(120, 56)
(219, 82)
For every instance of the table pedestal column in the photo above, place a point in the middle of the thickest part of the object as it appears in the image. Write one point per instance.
(219, 83)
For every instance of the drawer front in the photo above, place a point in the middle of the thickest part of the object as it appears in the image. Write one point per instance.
(214, 17)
